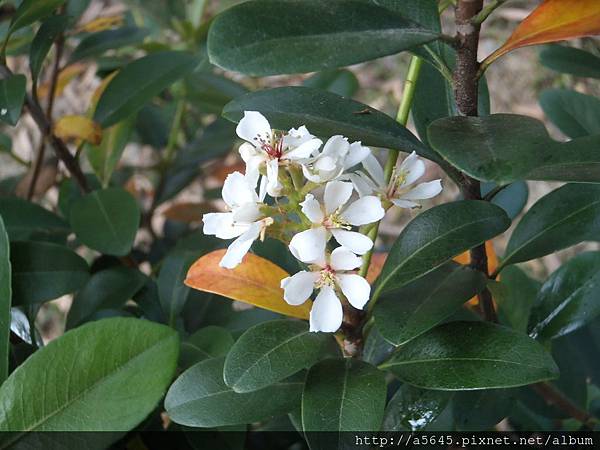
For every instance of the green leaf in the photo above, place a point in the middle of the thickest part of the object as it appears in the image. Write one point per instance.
(512, 198)
(5, 301)
(27, 221)
(106, 220)
(12, 96)
(341, 395)
(447, 358)
(42, 271)
(31, 10)
(208, 342)
(96, 44)
(571, 60)
(568, 299)
(338, 81)
(481, 410)
(435, 237)
(172, 292)
(140, 81)
(43, 40)
(412, 409)
(200, 398)
(89, 380)
(270, 352)
(575, 114)
(514, 295)
(564, 217)
(272, 37)
(327, 114)
(482, 147)
(210, 93)
(426, 302)
(107, 289)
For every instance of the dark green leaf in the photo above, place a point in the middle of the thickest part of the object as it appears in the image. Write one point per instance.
(507, 147)
(200, 398)
(12, 96)
(327, 114)
(511, 198)
(96, 44)
(426, 302)
(273, 37)
(341, 395)
(140, 81)
(106, 220)
(338, 81)
(107, 289)
(481, 410)
(208, 342)
(571, 60)
(436, 236)
(423, 12)
(5, 143)
(5, 301)
(42, 271)
(43, 40)
(568, 300)
(564, 217)
(412, 409)
(270, 352)
(584, 345)
(210, 92)
(446, 358)
(173, 293)
(575, 114)
(376, 349)
(105, 375)
(31, 10)
(27, 221)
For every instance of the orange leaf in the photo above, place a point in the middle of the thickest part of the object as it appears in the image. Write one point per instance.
(101, 24)
(255, 281)
(553, 20)
(187, 212)
(100, 90)
(64, 78)
(70, 128)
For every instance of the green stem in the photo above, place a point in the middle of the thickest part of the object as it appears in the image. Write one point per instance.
(174, 134)
(486, 11)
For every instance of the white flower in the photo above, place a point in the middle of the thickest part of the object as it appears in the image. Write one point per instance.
(401, 190)
(244, 221)
(337, 219)
(328, 276)
(263, 145)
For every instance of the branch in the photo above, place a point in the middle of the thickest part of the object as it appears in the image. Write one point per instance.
(486, 11)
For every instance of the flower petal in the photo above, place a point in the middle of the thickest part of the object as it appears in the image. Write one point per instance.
(362, 183)
(326, 314)
(374, 169)
(352, 240)
(336, 147)
(312, 209)
(412, 168)
(356, 154)
(254, 127)
(406, 204)
(238, 248)
(356, 289)
(238, 191)
(363, 211)
(299, 287)
(305, 150)
(222, 226)
(337, 193)
(274, 187)
(309, 246)
(343, 259)
(423, 191)
(248, 213)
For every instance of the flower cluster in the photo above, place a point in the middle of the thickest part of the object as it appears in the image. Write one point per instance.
(314, 209)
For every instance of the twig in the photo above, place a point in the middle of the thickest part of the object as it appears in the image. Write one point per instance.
(486, 11)
(553, 396)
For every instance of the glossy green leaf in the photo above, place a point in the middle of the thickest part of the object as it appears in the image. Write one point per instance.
(575, 114)
(338, 81)
(568, 299)
(208, 342)
(27, 221)
(12, 96)
(507, 147)
(210, 92)
(512, 198)
(42, 271)
(376, 348)
(514, 295)
(42, 42)
(421, 305)
(481, 410)
(446, 359)
(106, 220)
(571, 60)
(107, 289)
(5, 301)
(270, 352)
(584, 345)
(560, 219)
(435, 237)
(341, 395)
(172, 291)
(31, 10)
(140, 81)
(96, 44)
(327, 114)
(412, 409)
(200, 398)
(89, 380)
(258, 37)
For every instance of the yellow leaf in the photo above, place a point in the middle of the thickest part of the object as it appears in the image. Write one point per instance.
(101, 24)
(255, 281)
(70, 128)
(553, 20)
(64, 78)
(100, 90)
